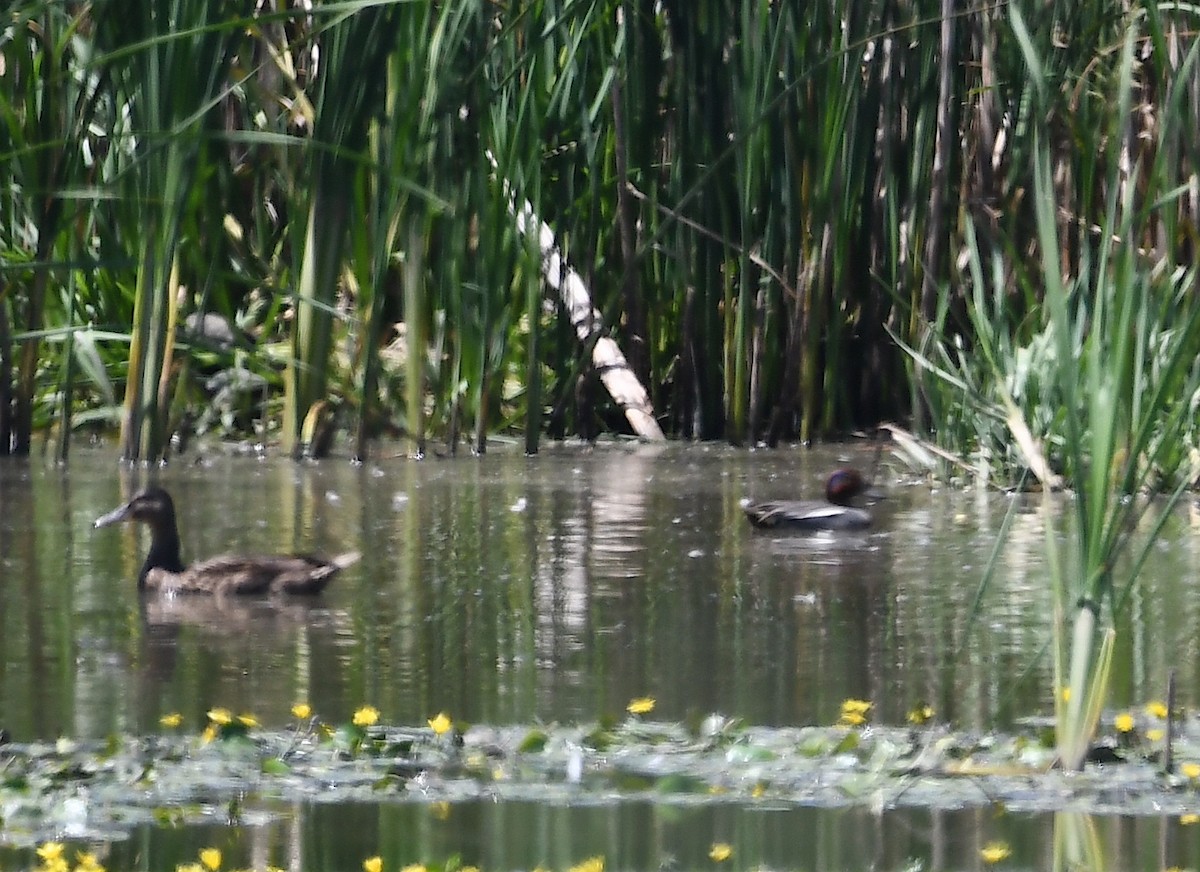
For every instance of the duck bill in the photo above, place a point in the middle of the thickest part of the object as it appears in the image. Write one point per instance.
(116, 516)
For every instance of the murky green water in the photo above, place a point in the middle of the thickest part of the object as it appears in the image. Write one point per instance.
(557, 588)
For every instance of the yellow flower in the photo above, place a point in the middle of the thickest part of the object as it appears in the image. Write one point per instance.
(366, 716)
(758, 790)
(920, 714)
(592, 864)
(302, 710)
(1188, 819)
(85, 861)
(1190, 770)
(209, 734)
(441, 723)
(373, 864)
(1065, 693)
(1156, 709)
(994, 852)
(720, 852)
(50, 851)
(1155, 735)
(643, 705)
(414, 867)
(171, 721)
(211, 858)
(854, 712)
(220, 716)
(1123, 722)
(247, 720)
(189, 867)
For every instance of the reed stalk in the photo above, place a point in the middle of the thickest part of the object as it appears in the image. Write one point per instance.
(765, 202)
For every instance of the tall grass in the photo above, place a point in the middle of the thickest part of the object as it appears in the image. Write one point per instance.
(762, 199)
(1097, 386)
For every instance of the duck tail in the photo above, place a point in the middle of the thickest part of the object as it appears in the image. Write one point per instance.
(347, 559)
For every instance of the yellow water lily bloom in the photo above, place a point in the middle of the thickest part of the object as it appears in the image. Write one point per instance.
(920, 714)
(302, 710)
(440, 724)
(643, 705)
(1065, 694)
(1190, 770)
(994, 852)
(189, 867)
(247, 720)
(209, 734)
(221, 716)
(1189, 819)
(171, 721)
(720, 852)
(366, 716)
(1123, 722)
(50, 851)
(373, 864)
(1157, 709)
(211, 858)
(86, 861)
(592, 864)
(854, 712)
(1155, 734)
(414, 867)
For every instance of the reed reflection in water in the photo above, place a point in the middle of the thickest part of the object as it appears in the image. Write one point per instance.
(509, 589)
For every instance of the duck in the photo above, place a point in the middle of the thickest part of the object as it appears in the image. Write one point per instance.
(165, 572)
(836, 512)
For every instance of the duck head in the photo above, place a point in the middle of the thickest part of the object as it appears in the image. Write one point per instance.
(152, 506)
(844, 485)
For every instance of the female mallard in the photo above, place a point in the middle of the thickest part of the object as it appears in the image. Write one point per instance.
(837, 512)
(165, 572)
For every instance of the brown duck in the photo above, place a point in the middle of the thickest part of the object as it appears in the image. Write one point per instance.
(165, 572)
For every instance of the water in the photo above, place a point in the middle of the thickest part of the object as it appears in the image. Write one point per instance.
(557, 588)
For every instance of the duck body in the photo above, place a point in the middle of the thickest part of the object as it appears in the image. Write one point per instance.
(165, 572)
(836, 512)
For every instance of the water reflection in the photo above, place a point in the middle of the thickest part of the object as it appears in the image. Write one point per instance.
(640, 835)
(509, 589)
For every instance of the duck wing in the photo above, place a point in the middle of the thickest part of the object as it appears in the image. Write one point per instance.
(807, 515)
(247, 576)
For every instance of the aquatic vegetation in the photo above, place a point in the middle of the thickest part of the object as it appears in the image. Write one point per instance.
(366, 716)
(720, 852)
(641, 706)
(173, 778)
(995, 852)
(854, 712)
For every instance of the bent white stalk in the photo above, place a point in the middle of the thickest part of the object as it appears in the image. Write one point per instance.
(573, 295)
